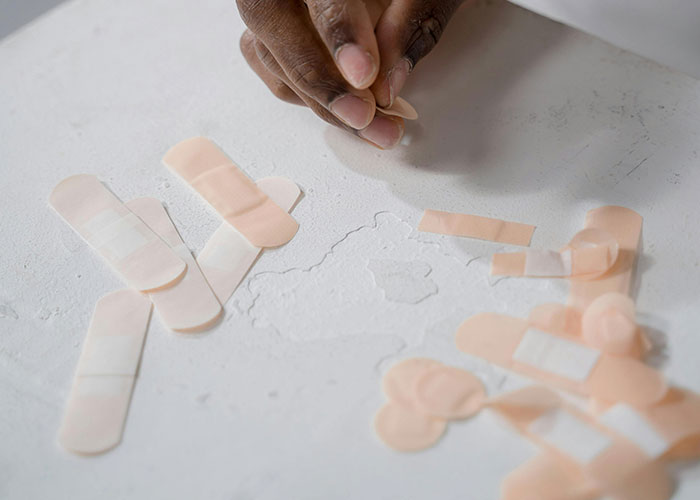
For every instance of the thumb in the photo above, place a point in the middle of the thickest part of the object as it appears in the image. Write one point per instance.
(406, 32)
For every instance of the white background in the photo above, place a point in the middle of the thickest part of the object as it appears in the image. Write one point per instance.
(521, 118)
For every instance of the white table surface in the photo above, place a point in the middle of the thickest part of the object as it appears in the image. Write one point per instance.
(521, 118)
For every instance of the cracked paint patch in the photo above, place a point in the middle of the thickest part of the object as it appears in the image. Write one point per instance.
(7, 312)
(406, 282)
(338, 297)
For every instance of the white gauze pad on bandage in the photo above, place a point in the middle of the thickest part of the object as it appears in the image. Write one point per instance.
(130, 247)
(570, 435)
(556, 355)
(228, 255)
(626, 421)
(189, 305)
(99, 399)
(560, 362)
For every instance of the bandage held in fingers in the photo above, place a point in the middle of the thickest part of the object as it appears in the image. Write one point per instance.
(231, 193)
(130, 246)
(401, 108)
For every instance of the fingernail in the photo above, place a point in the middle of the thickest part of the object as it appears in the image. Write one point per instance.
(353, 111)
(397, 78)
(384, 131)
(357, 65)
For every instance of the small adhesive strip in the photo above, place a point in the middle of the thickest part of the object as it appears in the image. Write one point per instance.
(401, 108)
(449, 392)
(231, 193)
(608, 324)
(625, 226)
(593, 458)
(189, 305)
(227, 255)
(590, 254)
(558, 362)
(423, 394)
(556, 318)
(404, 429)
(543, 478)
(474, 226)
(130, 247)
(99, 400)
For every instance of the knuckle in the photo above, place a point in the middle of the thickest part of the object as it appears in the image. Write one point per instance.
(427, 32)
(256, 13)
(332, 17)
(307, 74)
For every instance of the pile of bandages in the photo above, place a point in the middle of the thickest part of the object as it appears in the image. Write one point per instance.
(140, 242)
(623, 423)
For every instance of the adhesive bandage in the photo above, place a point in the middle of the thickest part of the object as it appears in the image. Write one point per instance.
(227, 255)
(99, 399)
(189, 305)
(625, 226)
(401, 108)
(404, 429)
(565, 363)
(585, 454)
(231, 193)
(608, 324)
(144, 261)
(423, 394)
(590, 254)
(474, 226)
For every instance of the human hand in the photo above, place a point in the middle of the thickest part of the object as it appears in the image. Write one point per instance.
(342, 58)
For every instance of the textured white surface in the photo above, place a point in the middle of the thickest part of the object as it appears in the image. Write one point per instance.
(521, 118)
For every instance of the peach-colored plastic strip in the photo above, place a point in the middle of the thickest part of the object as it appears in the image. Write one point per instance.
(584, 448)
(608, 324)
(474, 226)
(231, 193)
(401, 108)
(130, 247)
(99, 400)
(625, 226)
(189, 305)
(589, 254)
(560, 362)
(227, 255)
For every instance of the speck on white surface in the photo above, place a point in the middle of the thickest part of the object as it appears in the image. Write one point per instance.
(521, 119)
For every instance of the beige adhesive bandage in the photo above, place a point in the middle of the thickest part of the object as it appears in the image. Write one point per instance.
(586, 455)
(474, 226)
(556, 318)
(130, 247)
(561, 362)
(423, 394)
(231, 193)
(608, 324)
(99, 399)
(401, 108)
(671, 427)
(227, 255)
(625, 226)
(189, 305)
(590, 254)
